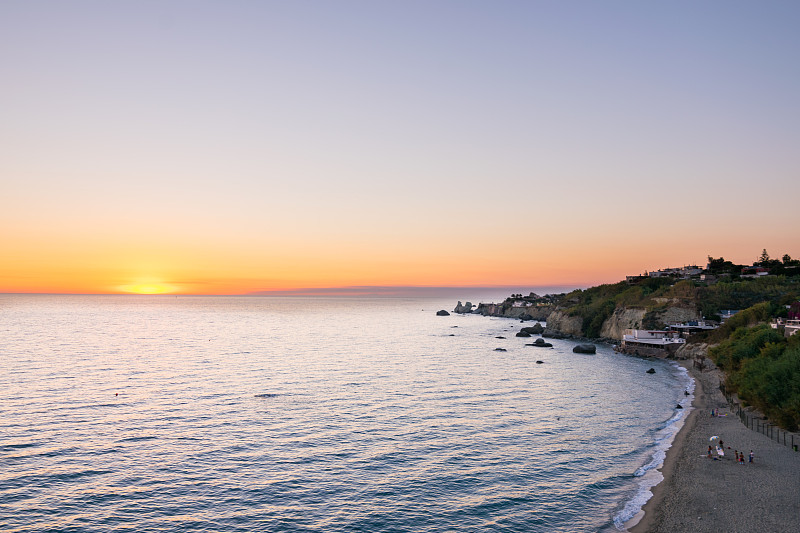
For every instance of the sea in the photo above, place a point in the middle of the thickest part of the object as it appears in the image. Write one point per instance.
(334, 414)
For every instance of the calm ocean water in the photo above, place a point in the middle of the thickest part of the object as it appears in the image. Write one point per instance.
(136, 413)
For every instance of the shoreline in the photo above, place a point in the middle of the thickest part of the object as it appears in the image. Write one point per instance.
(701, 494)
(644, 520)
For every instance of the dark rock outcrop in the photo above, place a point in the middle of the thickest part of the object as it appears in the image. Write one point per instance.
(523, 334)
(651, 371)
(536, 329)
(553, 334)
(500, 350)
(585, 348)
(442, 313)
(507, 310)
(540, 343)
(466, 308)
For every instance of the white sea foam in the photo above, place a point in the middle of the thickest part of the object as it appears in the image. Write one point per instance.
(649, 474)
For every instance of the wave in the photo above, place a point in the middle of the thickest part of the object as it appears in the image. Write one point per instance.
(648, 474)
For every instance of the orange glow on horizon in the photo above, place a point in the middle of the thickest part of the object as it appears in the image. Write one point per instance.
(148, 288)
(194, 266)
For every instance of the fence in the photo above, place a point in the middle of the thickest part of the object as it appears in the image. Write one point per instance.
(758, 423)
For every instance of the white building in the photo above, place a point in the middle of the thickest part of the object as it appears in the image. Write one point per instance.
(789, 327)
(651, 342)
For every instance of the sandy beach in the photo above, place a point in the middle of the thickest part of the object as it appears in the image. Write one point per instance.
(699, 494)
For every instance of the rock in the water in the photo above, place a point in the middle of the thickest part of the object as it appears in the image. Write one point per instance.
(499, 337)
(540, 343)
(679, 406)
(500, 350)
(651, 371)
(536, 329)
(550, 334)
(585, 348)
(525, 317)
(539, 362)
(442, 313)
(466, 308)
(523, 334)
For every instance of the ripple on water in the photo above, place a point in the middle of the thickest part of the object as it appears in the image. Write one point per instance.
(264, 427)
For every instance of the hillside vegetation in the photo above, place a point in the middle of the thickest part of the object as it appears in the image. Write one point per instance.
(596, 304)
(761, 365)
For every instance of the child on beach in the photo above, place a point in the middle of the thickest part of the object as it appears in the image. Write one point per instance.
(751, 456)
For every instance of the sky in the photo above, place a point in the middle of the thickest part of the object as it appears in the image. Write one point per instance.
(245, 147)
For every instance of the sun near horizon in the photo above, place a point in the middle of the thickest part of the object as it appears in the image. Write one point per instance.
(318, 271)
(529, 144)
(147, 288)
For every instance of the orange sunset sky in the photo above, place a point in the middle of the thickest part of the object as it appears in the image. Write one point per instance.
(238, 147)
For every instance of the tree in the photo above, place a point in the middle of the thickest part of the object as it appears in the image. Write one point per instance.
(764, 256)
(718, 266)
(786, 259)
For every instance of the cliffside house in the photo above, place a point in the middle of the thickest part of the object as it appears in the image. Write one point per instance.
(754, 272)
(684, 272)
(692, 326)
(788, 326)
(659, 343)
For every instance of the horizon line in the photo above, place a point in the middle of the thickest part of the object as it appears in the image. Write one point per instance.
(347, 290)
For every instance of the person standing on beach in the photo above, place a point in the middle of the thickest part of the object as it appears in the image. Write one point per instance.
(709, 452)
(751, 456)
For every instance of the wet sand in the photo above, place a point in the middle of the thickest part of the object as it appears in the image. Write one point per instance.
(699, 494)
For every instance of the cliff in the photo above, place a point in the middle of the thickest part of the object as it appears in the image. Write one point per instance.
(606, 311)
(621, 319)
(561, 322)
(508, 310)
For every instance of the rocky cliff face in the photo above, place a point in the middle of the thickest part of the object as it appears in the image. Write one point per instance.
(623, 318)
(507, 311)
(677, 314)
(466, 308)
(558, 321)
(563, 323)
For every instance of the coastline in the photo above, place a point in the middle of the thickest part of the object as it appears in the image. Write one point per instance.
(645, 519)
(701, 494)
